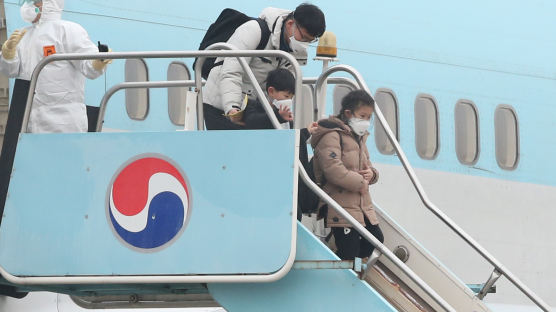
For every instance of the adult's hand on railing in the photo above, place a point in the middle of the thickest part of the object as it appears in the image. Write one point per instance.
(236, 116)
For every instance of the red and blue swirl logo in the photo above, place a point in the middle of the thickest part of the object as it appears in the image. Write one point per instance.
(148, 202)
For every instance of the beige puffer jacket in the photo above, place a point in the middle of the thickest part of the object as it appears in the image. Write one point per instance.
(336, 170)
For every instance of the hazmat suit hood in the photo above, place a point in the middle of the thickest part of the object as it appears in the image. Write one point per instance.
(51, 10)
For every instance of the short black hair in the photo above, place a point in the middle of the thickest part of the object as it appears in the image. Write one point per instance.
(355, 99)
(281, 79)
(311, 18)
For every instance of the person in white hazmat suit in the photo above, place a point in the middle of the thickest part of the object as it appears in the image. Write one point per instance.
(58, 105)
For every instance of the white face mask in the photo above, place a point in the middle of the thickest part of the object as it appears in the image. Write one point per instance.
(284, 103)
(29, 12)
(298, 46)
(358, 125)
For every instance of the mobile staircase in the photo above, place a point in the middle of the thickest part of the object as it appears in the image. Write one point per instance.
(193, 218)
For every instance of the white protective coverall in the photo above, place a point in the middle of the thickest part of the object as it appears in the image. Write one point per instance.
(58, 105)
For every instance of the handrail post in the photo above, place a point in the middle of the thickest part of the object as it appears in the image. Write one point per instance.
(199, 89)
(372, 260)
(494, 276)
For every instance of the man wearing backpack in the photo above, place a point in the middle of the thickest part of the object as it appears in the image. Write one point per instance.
(227, 83)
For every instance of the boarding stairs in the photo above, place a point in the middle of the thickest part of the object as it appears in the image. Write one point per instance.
(237, 247)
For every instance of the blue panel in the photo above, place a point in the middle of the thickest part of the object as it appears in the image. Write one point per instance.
(238, 199)
(303, 290)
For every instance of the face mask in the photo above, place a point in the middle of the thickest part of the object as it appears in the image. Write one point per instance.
(359, 126)
(29, 12)
(298, 46)
(284, 103)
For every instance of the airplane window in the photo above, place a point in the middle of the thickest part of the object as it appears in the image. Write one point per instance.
(136, 100)
(305, 109)
(467, 132)
(340, 90)
(177, 96)
(426, 127)
(506, 133)
(386, 101)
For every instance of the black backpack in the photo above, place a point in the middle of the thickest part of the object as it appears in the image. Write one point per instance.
(222, 29)
(310, 201)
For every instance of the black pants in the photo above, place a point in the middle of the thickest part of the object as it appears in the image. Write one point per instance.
(215, 119)
(11, 136)
(350, 244)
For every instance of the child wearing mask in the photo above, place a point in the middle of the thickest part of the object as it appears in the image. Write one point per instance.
(344, 171)
(280, 88)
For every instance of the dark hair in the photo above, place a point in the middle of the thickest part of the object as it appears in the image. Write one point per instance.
(281, 79)
(311, 18)
(353, 100)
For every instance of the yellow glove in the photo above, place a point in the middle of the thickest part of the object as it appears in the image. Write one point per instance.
(9, 47)
(99, 65)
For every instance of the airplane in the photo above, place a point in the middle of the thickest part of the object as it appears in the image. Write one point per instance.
(465, 87)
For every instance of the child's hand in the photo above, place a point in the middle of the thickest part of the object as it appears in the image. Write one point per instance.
(367, 174)
(312, 127)
(285, 112)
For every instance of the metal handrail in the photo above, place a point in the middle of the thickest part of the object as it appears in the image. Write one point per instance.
(370, 238)
(164, 54)
(277, 53)
(190, 83)
(136, 85)
(303, 173)
(185, 83)
(198, 84)
(251, 76)
(332, 80)
(419, 188)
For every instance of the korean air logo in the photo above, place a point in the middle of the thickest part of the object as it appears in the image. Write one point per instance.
(148, 203)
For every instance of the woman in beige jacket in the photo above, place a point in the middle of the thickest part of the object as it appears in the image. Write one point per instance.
(344, 171)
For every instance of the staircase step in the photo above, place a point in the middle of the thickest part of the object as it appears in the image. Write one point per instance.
(395, 290)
